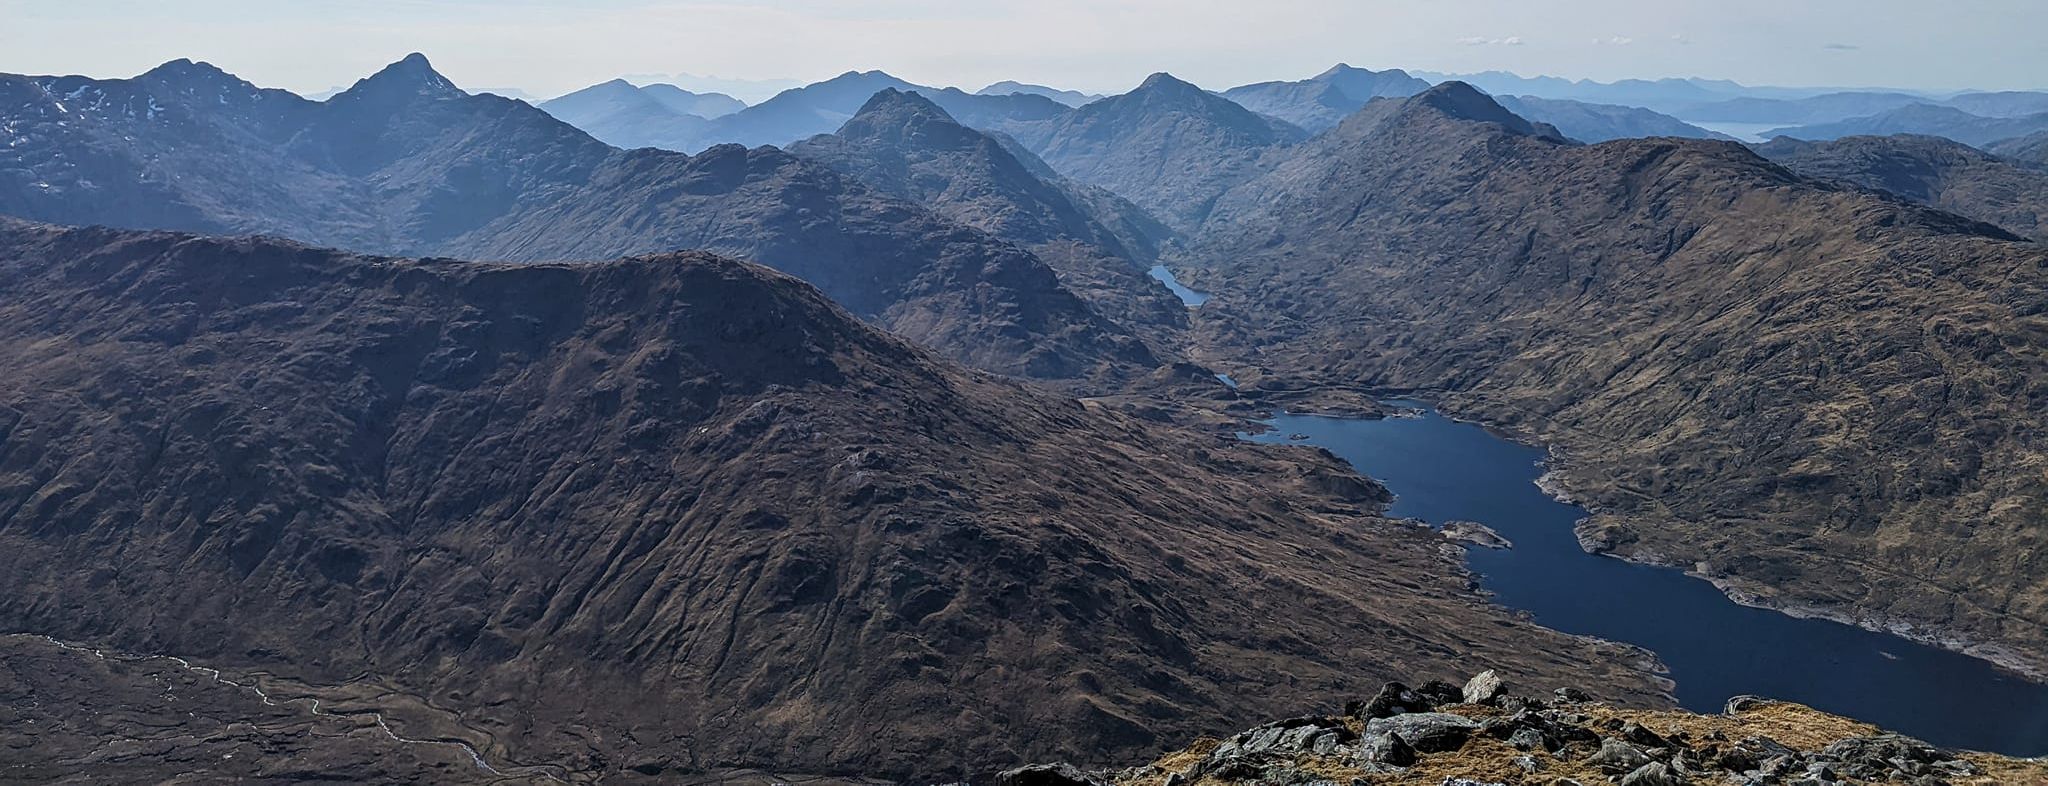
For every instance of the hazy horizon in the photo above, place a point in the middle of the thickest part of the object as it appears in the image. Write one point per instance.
(548, 49)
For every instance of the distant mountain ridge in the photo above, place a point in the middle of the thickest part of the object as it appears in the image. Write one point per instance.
(1588, 122)
(1932, 171)
(1322, 101)
(1169, 146)
(906, 145)
(1067, 97)
(1926, 120)
(404, 162)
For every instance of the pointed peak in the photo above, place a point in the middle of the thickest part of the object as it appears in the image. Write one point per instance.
(1164, 81)
(1339, 70)
(411, 74)
(904, 114)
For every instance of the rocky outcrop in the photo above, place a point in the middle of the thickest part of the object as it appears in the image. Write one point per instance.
(1510, 740)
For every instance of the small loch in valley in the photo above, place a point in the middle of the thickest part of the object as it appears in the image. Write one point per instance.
(1187, 296)
(1442, 470)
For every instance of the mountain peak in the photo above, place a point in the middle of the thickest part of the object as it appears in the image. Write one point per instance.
(185, 70)
(890, 99)
(905, 115)
(411, 74)
(1461, 101)
(1163, 81)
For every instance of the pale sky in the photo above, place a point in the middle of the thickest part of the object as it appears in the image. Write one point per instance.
(549, 47)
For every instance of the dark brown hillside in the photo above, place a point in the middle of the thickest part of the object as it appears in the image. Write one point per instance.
(673, 513)
(1821, 397)
(1929, 170)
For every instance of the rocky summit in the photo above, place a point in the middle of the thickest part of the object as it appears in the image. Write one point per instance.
(1441, 735)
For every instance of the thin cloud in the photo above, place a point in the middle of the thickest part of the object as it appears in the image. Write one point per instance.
(1619, 40)
(1513, 40)
(1841, 47)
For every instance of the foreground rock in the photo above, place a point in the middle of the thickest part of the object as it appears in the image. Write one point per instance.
(1561, 740)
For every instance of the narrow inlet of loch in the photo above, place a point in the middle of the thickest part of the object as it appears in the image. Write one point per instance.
(1442, 470)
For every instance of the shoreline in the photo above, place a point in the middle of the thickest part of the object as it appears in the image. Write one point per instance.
(1551, 481)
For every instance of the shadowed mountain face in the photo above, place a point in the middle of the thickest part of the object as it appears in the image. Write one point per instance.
(1924, 120)
(1169, 146)
(905, 145)
(405, 163)
(673, 514)
(1929, 170)
(1601, 122)
(1321, 102)
(1820, 397)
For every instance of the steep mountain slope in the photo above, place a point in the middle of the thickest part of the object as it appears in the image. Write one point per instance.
(1929, 170)
(405, 163)
(1322, 101)
(2031, 150)
(1820, 398)
(1925, 120)
(905, 145)
(1601, 122)
(670, 514)
(1169, 146)
(1011, 87)
(620, 114)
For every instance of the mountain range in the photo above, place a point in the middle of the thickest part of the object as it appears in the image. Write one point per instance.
(405, 163)
(1924, 120)
(1797, 390)
(1008, 87)
(622, 114)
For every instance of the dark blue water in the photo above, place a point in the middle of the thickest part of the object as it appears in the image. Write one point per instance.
(1442, 470)
(1187, 296)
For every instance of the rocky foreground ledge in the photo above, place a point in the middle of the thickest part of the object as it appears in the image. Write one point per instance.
(1442, 735)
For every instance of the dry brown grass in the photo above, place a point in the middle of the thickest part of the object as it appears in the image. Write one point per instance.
(1488, 760)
